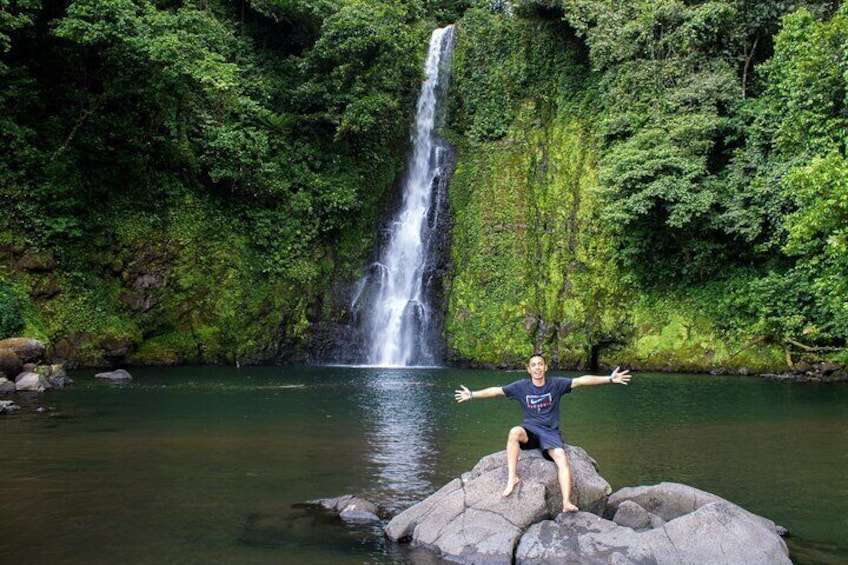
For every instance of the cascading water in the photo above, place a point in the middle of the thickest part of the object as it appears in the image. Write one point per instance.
(400, 325)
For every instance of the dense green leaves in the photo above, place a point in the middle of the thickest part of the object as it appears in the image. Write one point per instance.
(805, 126)
(11, 318)
(500, 60)
(285, 122)
(143, 88)
(721, 168)
(804, 104)
(669, 89)
(360, 73)
(14, 16)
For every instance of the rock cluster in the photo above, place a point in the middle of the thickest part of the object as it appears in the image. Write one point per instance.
(22, 368)
(351, 509)
(683, 525)
(468, 521)
(824, 372)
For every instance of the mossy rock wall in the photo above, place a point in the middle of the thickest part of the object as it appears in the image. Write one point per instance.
(180, 286)
(533, 264)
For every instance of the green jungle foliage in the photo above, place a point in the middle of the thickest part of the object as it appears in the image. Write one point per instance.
(711, 170)
(660, 183)
(183, 178)
(532, 267)
(11, 317)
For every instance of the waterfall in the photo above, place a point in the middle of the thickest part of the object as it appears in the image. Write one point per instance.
(399, 323)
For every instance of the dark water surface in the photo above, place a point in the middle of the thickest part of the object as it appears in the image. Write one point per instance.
(207, 465)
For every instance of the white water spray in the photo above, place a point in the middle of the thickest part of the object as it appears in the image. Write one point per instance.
(398, 317)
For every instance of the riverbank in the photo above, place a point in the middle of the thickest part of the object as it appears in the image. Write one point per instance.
(21, 354)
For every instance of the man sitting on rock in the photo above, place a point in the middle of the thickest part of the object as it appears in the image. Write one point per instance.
(539, 398)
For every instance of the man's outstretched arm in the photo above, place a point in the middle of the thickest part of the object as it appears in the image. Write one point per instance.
(618, 377)
(464, 394)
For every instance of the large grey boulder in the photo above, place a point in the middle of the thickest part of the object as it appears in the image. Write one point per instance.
(26, 348)
(469, 521)
(700, 528)
(31, 382)
(666, 500)
(669, 501)
(10, 364)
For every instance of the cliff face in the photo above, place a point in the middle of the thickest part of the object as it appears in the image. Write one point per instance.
(178, 288)
(534, 269)
(531, 265)
(534, 263)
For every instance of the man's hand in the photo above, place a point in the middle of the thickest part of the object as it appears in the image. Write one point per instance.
(620, 377)
(463, 394)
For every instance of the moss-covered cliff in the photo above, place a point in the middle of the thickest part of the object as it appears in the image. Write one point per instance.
(532, 267)
(537, 264)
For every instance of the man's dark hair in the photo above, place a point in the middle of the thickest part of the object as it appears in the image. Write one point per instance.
(542, 357)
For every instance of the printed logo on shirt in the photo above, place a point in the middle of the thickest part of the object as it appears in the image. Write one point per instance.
(538, 402)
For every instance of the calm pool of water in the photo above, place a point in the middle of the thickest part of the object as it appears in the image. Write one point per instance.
(207, 465)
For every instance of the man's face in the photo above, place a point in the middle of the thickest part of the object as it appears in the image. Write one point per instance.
(537, 367)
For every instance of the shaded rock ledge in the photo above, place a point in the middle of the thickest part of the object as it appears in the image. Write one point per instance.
(468, 521)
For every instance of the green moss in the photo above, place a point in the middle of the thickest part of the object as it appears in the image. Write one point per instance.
(678, 332)
(11, 315)
(168, 349)
(532, 266)
(182, 285)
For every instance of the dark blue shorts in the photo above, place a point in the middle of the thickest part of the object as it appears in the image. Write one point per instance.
(538, 438)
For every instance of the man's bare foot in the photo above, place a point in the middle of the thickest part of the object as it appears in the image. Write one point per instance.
(568, 507)
(510, 485)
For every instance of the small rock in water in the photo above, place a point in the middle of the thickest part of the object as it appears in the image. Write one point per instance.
(119, 375)
(31, 382)
(7, 407)
(360, 511)
(351, 509)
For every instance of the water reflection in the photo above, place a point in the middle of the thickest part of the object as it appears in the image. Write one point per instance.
(208, 463)
(399, 418)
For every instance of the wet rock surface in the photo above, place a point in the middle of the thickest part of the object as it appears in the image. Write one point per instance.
(468, 520)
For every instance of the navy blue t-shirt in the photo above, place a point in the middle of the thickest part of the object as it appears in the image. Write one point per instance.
(539, 404)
